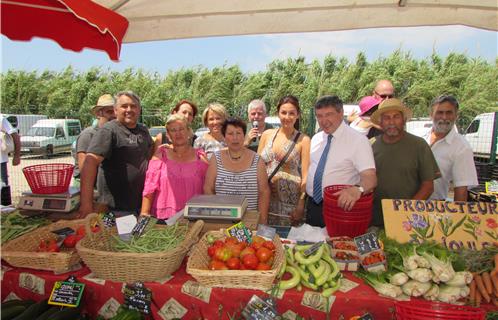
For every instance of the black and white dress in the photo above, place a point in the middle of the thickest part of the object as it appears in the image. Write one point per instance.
(238, 183)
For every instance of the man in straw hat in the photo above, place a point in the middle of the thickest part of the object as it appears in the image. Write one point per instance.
(405, 164)
(104, 112)
(123, 147)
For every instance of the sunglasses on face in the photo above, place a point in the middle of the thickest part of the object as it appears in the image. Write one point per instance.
(385, 96)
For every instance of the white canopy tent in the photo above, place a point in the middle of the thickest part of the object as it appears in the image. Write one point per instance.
(174, 19)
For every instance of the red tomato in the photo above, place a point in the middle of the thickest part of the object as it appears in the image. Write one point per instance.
(247, 250)
(250, 261)
(233, 264)
(235, 249)
(81, 231)
(222, 253)
(231, 240)
(218, 243)
(269, 245)
(211, 251)
(52, 246)
(70, 241)
(217, 265)
(263, 266)
(42, 247)
(258, 239)
(264, 254)
(256, 245)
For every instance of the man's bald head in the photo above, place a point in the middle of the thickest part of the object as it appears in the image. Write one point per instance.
(384, 89)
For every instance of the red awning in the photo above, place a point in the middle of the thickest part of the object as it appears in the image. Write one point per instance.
(73, 24)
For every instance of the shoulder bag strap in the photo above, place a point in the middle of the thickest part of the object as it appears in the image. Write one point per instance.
(281, 163)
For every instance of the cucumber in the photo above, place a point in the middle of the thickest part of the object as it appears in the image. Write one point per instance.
(66, 314)
(12, 312)
(10, 303)
(34, 310)
(47, 314)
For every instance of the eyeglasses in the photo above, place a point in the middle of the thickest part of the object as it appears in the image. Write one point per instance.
(384, 96)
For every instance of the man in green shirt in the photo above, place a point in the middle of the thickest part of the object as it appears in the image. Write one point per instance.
(405, 164)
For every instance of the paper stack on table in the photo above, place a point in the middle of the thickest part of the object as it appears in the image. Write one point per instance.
(307, 233)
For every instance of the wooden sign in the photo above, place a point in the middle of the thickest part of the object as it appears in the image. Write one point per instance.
(457, 225)
(67, 294)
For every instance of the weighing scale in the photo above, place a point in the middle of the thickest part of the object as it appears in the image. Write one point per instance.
(216, 207)
(60, 202)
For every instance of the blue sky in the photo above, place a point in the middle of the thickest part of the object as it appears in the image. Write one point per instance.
(254, 53)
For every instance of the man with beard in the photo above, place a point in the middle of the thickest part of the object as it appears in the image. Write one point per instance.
(453, 153)
(405, 164)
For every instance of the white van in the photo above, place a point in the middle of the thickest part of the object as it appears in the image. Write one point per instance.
(23, 122)
(479, 133)
(50, 136)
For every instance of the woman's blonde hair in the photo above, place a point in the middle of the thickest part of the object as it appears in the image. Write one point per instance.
(217, 108)
(176, 117)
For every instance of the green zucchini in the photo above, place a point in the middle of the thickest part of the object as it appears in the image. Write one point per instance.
(47, 314)
(34, 310)
(66, 314)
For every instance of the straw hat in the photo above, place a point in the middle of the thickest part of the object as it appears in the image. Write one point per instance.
(391, 105)
(105, 100)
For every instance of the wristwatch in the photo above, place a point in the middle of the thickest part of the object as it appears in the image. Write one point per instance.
(362, 190)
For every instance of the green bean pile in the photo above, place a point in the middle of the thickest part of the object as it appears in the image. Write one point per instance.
(15, 225)
(153, 240)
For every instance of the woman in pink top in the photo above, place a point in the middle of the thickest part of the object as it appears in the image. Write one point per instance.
(174, 175)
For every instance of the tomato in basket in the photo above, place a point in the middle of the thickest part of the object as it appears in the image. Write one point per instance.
(233, 263)
(250, 261)
(264, 254)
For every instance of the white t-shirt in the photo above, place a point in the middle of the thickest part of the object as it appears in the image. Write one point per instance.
(350, 153)
(7, 128)
(455, 159)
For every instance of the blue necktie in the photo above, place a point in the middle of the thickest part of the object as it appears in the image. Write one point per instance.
(317, 180)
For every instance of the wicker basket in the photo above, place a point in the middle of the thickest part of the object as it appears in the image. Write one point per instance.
(22, 251)
(97, 253)
(198, 262)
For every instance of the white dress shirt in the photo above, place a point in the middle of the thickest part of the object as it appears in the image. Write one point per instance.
(455, 159)
(350, 153)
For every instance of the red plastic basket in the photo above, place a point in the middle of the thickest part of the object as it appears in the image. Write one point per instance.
(340, 227)
(49, 178)
(427, 310)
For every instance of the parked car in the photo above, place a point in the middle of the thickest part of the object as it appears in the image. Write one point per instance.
(479, 134)
(419, 126)
(154, 131)
(50, 136)
(23, 122)
(201, 131)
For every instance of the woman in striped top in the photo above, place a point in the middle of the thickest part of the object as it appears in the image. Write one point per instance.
(239, 171)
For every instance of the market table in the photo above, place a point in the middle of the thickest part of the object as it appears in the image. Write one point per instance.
(181, 296)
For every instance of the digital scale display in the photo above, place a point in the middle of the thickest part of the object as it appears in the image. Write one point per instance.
(213, 212)
(54, 204)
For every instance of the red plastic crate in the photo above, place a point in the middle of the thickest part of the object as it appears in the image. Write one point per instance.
(428, 310)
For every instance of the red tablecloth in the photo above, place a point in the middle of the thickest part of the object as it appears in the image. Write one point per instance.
(181, 296)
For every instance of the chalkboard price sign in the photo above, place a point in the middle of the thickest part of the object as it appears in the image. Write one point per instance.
(367, 243)
(67, 294)
(137, 297)
(366, 316)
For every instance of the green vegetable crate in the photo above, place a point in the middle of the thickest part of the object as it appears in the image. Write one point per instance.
(101, 254)
(23, 251)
